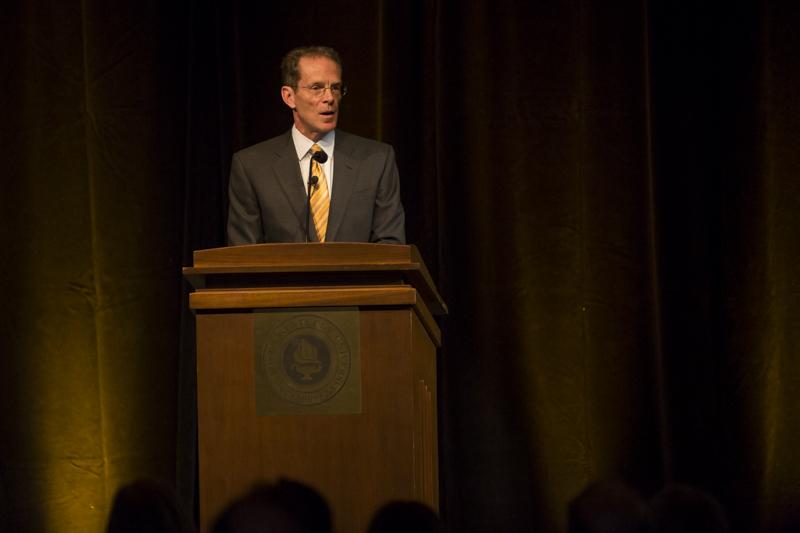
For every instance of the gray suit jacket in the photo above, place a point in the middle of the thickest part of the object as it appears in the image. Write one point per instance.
(267, 199)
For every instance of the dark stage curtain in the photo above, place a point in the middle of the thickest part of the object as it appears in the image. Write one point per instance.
(607, 195)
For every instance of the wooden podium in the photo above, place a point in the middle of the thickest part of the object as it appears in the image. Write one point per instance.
(317, 363)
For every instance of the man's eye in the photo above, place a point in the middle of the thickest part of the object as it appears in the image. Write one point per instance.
(316, 87)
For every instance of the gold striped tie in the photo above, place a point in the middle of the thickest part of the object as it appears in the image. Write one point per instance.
(320, 197)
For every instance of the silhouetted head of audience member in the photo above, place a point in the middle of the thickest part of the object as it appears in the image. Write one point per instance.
(683, 509)
(405, 517)
(284, 507)
(608, 507)
(148, 506)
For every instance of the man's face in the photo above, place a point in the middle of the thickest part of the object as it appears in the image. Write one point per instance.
(314, 115)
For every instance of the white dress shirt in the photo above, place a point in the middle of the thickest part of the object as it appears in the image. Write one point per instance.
(303, 146)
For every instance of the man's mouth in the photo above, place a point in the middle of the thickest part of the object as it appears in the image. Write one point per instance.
(328, 113)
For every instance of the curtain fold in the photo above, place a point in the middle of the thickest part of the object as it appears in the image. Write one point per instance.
(92, 159)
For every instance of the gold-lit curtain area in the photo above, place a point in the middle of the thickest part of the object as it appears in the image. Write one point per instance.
(607, 195)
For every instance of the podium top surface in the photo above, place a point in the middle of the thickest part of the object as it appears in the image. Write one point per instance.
(347, 259)
(306, 256)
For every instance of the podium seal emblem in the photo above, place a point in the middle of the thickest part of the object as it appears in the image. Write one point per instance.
(306, 359)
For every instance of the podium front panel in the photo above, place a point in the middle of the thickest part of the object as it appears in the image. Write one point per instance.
(356, 461)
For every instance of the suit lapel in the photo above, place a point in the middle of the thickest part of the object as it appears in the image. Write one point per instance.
(287, 174)
(345, 174)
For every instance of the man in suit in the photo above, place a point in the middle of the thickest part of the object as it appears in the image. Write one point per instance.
(356, 197)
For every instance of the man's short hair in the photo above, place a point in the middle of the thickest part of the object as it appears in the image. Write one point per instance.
(290, 71)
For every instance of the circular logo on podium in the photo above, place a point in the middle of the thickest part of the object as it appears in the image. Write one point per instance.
(306, 359)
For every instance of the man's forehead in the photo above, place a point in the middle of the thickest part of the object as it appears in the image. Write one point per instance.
(311, 66)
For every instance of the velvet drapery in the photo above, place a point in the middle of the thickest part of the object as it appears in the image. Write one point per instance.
(606, 194)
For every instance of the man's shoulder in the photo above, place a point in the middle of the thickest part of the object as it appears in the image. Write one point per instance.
(350, 143)
(275, 145)
(355, 144)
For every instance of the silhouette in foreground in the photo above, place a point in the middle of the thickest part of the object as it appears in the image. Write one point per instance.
(284, 507)
(684, 509)
(148, 506)
(608, 507)
(405, 517)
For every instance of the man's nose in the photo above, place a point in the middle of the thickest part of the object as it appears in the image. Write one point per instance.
(327, 94)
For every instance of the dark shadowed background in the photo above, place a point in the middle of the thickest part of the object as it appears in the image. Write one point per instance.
(607, 194)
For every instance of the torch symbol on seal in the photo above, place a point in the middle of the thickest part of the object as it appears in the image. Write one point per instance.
(306, 360)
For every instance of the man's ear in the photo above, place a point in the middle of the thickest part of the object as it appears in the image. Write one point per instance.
(287, 93)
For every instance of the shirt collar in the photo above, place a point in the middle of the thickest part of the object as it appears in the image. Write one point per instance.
(303, 144)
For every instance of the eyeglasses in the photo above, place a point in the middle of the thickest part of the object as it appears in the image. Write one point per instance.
(317, 89)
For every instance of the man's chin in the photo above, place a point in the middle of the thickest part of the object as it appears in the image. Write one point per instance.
(316, 131)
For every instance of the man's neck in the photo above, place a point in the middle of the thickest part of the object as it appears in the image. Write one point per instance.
(313, 136)
(302, 142)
